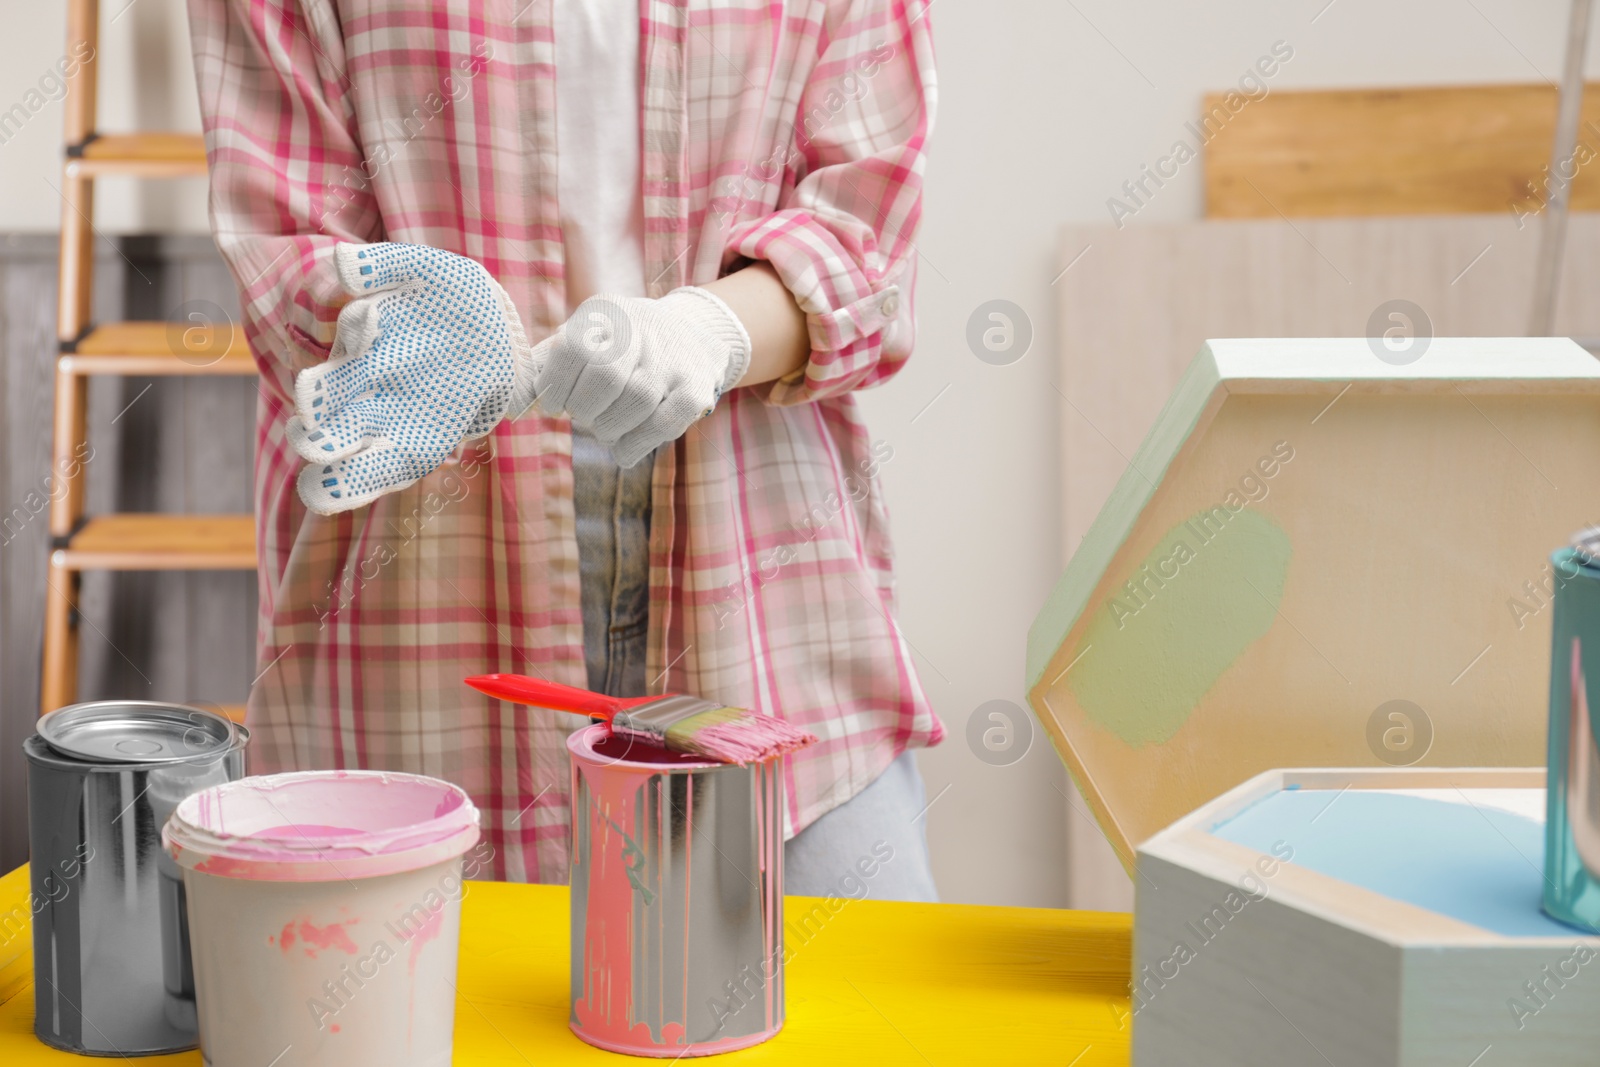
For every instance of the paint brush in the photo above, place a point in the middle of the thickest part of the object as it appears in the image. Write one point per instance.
(677, 722)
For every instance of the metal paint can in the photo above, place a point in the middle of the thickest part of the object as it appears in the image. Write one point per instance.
(677, 899)
(1572, 813)
(112, 974)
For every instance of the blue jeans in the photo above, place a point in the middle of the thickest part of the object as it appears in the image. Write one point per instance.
(874, 845)
(613, 507)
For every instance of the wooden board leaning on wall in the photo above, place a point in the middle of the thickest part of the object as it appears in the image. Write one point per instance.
(1415, 151)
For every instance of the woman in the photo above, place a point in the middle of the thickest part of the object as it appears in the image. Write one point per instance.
(407, 193)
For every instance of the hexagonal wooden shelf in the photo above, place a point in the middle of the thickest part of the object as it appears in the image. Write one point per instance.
(1318, 558)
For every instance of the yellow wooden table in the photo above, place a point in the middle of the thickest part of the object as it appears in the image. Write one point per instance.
(874, 982)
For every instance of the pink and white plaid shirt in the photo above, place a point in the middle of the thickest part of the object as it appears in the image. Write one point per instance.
(792, 132)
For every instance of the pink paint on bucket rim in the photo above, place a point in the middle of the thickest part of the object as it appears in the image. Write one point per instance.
(597, 746)
(319, 826)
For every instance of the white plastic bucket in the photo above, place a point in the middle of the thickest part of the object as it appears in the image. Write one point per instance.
(324, 916)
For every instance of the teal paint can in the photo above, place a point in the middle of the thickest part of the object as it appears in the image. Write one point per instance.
(1572, 813)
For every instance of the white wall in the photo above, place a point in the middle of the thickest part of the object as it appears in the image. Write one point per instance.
(146, 82)
(1046, 109)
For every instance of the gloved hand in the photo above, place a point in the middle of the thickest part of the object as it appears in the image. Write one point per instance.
(430, 353)
(637, 372)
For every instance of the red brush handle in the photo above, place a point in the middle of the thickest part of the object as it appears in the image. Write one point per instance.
(520, 689)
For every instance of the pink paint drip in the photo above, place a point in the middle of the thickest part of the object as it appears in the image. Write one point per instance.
(318, 938)
(426, 931)
(771, 853)
(606, 1007)
(227, 867)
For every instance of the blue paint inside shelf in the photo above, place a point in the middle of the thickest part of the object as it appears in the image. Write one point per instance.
(1473, 863)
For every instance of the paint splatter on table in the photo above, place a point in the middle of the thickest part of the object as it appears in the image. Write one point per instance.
(898, 983)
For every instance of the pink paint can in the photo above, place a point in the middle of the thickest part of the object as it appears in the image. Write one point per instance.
(324, 916)
(677, 899)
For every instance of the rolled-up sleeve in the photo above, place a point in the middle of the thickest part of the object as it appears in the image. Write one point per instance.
(288, 178)
(842, 239)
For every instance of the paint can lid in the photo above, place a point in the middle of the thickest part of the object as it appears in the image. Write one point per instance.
(1586, 542)
(137, 731)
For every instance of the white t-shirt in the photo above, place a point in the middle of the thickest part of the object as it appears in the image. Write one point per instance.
(597, 147)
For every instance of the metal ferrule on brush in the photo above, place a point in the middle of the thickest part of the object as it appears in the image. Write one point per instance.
(653, 720)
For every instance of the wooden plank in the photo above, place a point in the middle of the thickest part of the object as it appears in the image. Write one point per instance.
(141, 155)
(161, 348)
(82, 95)
(1423, 151)
(152, 542)
(58, 682)
(232, 712)
(71, 405)
(77, 260)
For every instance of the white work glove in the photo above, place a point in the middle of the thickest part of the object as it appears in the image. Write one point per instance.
(637, 372)
(429, 354)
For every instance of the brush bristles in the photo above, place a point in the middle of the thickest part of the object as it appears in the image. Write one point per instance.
(734, 735)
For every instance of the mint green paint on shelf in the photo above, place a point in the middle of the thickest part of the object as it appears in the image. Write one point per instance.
(1470, 862)
(1070, 597)
(1205, 593)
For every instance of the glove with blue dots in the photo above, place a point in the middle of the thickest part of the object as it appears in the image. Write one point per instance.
(429, 353)
(638, 372)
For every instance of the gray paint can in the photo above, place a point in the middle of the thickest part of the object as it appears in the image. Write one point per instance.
(112, 975)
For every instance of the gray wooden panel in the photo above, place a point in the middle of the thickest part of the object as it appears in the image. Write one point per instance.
(27, 386)
(171, 444)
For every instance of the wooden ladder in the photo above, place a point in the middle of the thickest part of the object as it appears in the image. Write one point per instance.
(126, 542)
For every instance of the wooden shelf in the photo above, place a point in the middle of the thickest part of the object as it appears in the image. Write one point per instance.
(161, 543)
(234, 712)
(164, 348)
(139, 155)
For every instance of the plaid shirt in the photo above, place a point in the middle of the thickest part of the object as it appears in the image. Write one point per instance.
(791, 132)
